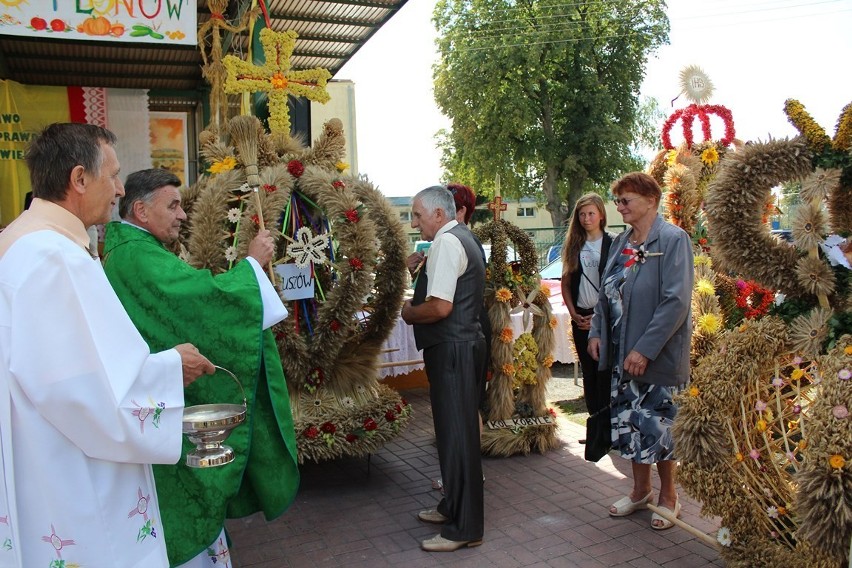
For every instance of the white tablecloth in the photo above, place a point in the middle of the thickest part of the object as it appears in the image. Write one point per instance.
(401, 341)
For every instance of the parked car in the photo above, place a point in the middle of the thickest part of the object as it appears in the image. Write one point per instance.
(553, 270)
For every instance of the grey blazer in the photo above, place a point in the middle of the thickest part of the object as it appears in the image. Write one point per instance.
(657, 302)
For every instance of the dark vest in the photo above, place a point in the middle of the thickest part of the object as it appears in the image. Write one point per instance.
(463, 322)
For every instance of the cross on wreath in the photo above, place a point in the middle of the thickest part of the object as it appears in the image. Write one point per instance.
(275, 78)
(497, 206)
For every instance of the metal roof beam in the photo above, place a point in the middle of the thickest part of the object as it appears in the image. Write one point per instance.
(364, 3)
(277, 18)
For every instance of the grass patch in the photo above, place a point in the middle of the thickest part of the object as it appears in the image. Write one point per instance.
(574, 409)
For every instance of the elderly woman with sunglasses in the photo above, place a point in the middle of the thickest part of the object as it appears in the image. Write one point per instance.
(642, 331)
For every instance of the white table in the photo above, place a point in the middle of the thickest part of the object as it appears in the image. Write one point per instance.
(402, 348)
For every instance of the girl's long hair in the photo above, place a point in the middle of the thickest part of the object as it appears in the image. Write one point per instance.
(576, 236)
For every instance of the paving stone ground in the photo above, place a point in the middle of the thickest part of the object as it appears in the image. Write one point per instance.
(540, 510)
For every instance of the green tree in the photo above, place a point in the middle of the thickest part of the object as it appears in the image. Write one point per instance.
(544, 93)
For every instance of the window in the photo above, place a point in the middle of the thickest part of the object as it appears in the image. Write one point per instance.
(526, 211)
(405, 216)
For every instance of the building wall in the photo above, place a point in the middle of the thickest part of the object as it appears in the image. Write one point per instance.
(523, 213)
(342, 106)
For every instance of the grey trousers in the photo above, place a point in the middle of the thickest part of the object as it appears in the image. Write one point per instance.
(453, 369)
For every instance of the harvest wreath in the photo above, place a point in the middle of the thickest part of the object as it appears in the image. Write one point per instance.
(330, 343)
(520, 367)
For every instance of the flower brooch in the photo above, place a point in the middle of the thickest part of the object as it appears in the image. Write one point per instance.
(639, 255)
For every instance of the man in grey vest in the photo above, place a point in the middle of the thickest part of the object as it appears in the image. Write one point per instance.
(445, 315)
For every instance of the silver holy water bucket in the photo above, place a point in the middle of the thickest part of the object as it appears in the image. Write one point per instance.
(208, 425)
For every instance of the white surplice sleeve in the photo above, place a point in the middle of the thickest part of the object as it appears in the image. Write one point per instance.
(273, 308)
(80, 362)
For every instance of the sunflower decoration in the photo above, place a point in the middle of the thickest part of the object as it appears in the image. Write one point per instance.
(520, 366)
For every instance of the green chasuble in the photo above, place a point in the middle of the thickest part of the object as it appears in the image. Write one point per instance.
(170, 303)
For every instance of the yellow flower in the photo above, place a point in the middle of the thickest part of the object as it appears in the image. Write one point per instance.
(782, 511)
(506, 335)
(508, 369)
(548, 361)
(803, 444)
(224, 165)
(768, 414)
(797, 374)
(710, 156)
(693, 391)
(761, 425)
(702, 259)
(552, 322)
(704, 287)
(503, 295)
(739, 456)
(279, 81)
(792, 425)
(341, 166)
(848, 350)
(709, 323)
(671, 157)
(836, 461)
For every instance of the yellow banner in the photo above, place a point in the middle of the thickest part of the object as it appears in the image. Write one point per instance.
(136, 21)
(24, 111)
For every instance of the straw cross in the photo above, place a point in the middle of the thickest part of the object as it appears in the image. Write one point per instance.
(276, 78)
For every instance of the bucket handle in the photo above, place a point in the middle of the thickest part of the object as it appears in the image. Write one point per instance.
(236, 380)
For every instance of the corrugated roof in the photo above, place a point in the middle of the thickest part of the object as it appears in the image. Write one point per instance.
(330, 33)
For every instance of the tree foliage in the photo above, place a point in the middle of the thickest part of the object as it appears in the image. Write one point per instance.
(544, 93)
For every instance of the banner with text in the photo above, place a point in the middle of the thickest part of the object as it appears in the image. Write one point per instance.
(137, 21)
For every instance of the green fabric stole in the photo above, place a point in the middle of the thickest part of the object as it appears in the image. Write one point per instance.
(170, 303)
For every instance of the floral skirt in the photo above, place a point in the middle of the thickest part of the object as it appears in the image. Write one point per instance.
(642, 417)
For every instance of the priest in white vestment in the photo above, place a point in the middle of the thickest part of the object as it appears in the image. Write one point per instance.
(84, 406)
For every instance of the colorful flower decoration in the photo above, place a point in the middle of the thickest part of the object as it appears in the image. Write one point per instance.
(233, 215)
(837, 461)
(337, 184)
(702, 112)
(356, 264)
(341, 166)
(503, 295)
(724, 536)
(224, 165)
(308, 248)
(268, 188)
(231, 254)
(296, 168)
(507, 335)
(710, 156)
(275, 77)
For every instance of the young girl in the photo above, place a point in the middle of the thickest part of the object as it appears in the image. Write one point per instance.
(584, 255)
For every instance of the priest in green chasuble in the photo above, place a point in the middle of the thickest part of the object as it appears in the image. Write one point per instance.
(229, 317)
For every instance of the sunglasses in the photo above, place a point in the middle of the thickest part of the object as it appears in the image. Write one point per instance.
(623, 201)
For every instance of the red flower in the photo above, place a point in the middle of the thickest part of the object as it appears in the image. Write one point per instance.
(352, 215)
(390, 416)
(269, 188)
(295, 168)
(404, 402)
(351, 438)
(255, 219)
(370, 424)
(356, 264)
(338, 184)
(311, 432)
(334, 325)
(328, 428)
(398, 408)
